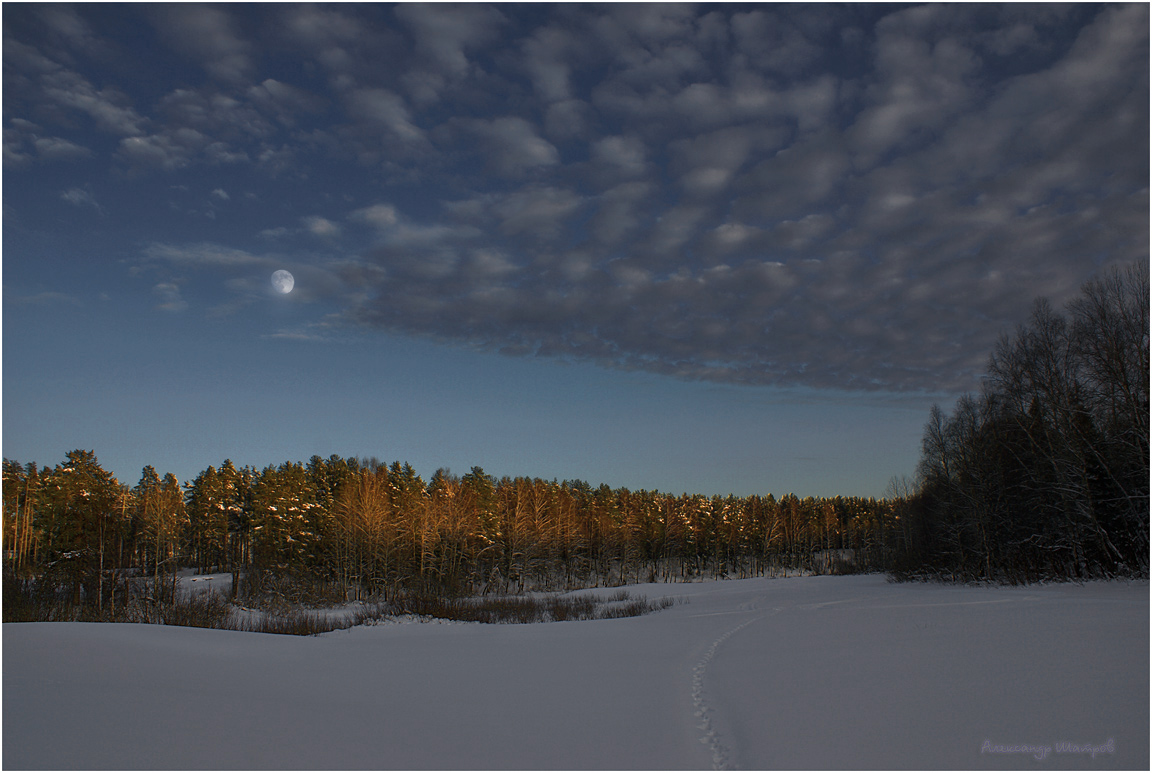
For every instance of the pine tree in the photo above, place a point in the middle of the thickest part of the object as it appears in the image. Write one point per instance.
(84, 500)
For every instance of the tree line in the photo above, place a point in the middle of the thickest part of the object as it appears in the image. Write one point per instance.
(1044, 472)
(345, 528)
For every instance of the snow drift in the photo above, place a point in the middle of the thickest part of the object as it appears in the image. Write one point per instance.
(810, 672)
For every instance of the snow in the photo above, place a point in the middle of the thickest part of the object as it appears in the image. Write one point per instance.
(804, 672)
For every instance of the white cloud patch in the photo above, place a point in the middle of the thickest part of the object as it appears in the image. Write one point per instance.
(215, 113)
(59, 148)
(204, 254)
(206, 34)
(445, 34)
(619, 157)
(546, 58)
(108, 107)
(568, 120)
(321, 226)
(80, 197)
(512, 145)
(170, 297)
(162, 151)
(386, 110)
(540, 211)
(620, 212)
(378, 215)
(287, 103)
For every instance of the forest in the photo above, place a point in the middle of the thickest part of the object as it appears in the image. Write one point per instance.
(1042, 475)
(336, 529)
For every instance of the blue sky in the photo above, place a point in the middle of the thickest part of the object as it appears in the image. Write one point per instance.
(706, 248)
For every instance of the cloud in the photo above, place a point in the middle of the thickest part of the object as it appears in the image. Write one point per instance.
(849, 197)
(170, 298)
(547, 55)
(708, 162)
(60, 148)
(920, 86)
(884, 249)
(619, 156)
(204, 254)
(68, 27)
(320, 226)
(213, 113)
(773, 42)
(14, 151)
(285, 102)
(240, 278)
(621, 211)
(164, 151)
(80, 197)
(568, 120)
(176, 148)
(347, 48)
(108, 107)
(47, 298)
(808, 175)
(511, 145)
(297, 335)
(206, 34)
(445, 33)
(539, 211)
(383, 109)
(320, 26)
(378, 215)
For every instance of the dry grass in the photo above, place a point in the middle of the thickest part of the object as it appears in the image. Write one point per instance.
(531, 609)
(23, 602)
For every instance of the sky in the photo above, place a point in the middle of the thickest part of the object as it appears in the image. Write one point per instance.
(693, 248)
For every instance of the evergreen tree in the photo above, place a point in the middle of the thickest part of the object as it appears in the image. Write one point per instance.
(149, 520)
(85, 505)
(21, 528)
(206, 519)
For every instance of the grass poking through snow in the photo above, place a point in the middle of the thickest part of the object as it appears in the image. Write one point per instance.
(531, 609)
(209, 610)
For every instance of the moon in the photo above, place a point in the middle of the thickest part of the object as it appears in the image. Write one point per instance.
(283, 281)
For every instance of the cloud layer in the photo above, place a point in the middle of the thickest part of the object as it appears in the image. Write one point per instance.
(848, 197)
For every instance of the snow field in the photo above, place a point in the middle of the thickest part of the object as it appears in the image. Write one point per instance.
(810, 672)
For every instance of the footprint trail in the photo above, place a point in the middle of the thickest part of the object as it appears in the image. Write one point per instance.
(721, 755)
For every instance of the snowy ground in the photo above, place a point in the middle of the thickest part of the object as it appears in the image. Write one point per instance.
(809, 672)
